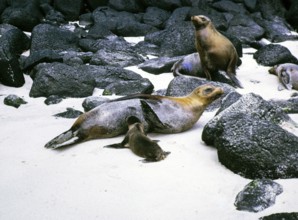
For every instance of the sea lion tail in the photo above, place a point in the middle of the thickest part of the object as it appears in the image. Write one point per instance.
(65, 139)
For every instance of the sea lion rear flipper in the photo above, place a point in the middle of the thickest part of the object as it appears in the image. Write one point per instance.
(65, 139)
(235, 80)
(117, 146)
(151, 117)
(285, 79)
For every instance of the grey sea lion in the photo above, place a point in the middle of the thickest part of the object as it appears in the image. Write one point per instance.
(215, 50)
(287, 74)
(189, 65)
(139, 143)
(161, 114)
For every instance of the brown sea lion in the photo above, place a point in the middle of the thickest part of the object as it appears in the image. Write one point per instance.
(287, 74)
(139, 143)
(161, 114)
(215, 50)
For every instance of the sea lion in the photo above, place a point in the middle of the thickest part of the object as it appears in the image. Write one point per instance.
(139, 143)
(215, 50)
(287, 74)
(189, 65)
(161, 114)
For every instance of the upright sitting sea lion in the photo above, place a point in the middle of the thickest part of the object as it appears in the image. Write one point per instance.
(139, 143)
(215, 50)
(287, 74)
(162, 114)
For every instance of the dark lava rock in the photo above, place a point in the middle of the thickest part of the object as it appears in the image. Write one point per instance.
(258, 195)
(92, 101)
(159, 65)
(98, 31)
(277, 29)
(281, 216)
(71, 9)
(144, 48)
(63, 80)
(178, 15)
(273, 54)
(129, 87)
(69, 113)
(121, 23)
(53, 99)
(113, 43)
(127, 5)
(230, 7)
(168, 5)
(14, 100)
(46, 36)
(51, 15)
(120, 58)
(175, 40)
(291, 14)
(23, 14)
(251, 141)
(289, 106)
(156, 17)
(245, 28)
(12, 43)
(41, 56)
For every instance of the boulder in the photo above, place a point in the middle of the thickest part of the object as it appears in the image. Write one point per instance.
(71, 9)
(46, 36)
(121, 58)
(251, 141)
(127, 5)
(258, 195)
(25, 14)
(69, 113)
(68, 81)
(273, 54)
(279, 216)
(156, 17)
(93, 101)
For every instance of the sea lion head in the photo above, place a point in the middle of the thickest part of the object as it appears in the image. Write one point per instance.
(200, 21)
(207, 93)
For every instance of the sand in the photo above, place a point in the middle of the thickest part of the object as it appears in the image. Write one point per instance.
(88, 181)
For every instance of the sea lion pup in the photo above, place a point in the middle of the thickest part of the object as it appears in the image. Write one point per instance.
(215, 50)
(161, 114)
(139, 143)
(287, 74)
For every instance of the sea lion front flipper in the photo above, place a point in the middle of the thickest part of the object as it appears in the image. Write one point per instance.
(151, 117)
(285, 79)
(116, 146)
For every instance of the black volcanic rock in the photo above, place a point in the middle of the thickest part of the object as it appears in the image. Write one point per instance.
(283, 216)
(156, 17)
(250, 140)
(69, 113)
(25, 14)
(14, 101)
(68, 81)
(273, 54)
(258, 195)
(46, 36)
(71, 9)
(127, 5)
(12, 43)
(159, 65)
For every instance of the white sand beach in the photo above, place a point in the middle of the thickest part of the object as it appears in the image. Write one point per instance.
(87, 181)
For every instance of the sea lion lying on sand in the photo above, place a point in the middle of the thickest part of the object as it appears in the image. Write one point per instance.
(161, 114)
(287, 74)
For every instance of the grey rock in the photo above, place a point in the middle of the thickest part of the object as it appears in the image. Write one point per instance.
(279, 216)
(69, 113)
(273, 54)
(258, 195)
(14, 101)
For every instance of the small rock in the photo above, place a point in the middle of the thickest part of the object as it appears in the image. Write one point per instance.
(14, 100)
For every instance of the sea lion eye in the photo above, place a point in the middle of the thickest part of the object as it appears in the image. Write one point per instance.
(208, 91)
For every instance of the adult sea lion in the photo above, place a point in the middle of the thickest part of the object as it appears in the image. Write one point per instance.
(287, 74)
(161, 114)
(215, 50)
(139, 143)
